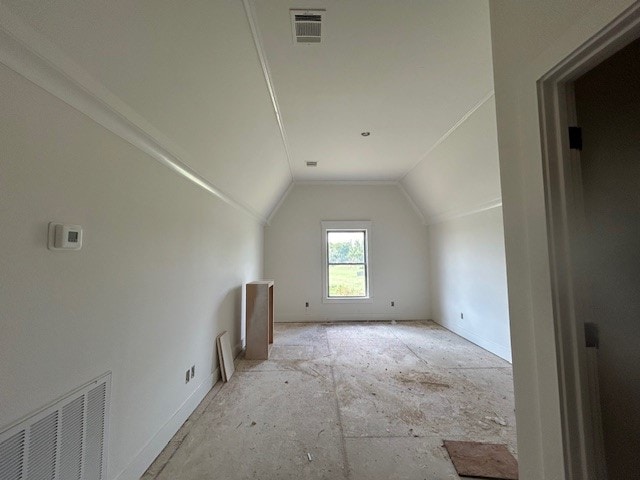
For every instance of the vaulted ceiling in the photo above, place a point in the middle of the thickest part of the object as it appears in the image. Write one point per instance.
(404, 71)
(224, 88)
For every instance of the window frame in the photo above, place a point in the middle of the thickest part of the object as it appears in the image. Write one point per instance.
(346, 225)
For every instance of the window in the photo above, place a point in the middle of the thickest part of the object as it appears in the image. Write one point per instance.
(345, 256)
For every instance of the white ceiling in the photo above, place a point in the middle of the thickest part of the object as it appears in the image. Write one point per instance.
(406, 71)
(188, 68)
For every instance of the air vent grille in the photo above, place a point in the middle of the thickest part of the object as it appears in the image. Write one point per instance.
(96, 403)
(312, 164)
(71, 440)
(64, 441)
(12, 457)
(307, 25)
(42, 448)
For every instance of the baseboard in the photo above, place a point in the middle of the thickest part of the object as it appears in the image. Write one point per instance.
(354, 317)
(237, 350)
(501, 351)
(151, 450)
(148, 454)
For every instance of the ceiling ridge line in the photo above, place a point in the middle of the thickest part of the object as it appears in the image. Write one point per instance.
(448, 133)
(51, 71)
(266, 71)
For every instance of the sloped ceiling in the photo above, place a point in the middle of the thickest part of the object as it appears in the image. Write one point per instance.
(191, 70)
(461, 174)
(407, 71)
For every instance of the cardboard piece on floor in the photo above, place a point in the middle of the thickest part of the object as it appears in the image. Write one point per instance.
(225, 356)
(482, 460)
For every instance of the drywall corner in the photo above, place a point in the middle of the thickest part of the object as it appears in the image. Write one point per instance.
(412, 202)
(468, 279)
(279, 204)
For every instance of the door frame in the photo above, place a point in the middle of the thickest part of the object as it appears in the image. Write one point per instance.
(565, 214)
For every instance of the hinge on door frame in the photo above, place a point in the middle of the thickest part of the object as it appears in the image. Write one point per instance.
(575, 138)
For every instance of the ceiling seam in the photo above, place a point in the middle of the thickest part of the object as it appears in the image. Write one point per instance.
(464, 212)
(29, 54)
(257, 40)
(347, 182)
(448, 133)
(280, 203)
(412, 202)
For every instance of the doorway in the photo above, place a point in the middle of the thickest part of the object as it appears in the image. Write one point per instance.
(607, 100)
(592, 186)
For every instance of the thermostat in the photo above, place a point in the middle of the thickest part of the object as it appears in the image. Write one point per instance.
(64, 237)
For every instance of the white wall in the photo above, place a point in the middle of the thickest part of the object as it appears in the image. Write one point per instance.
(398, 253)
(530, 38)
(457, 187)
(159, 275)
(468, 277)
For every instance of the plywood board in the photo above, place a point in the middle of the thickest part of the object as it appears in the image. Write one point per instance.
(224, 346)
(259, 319)
(482, 460)
(223, 375)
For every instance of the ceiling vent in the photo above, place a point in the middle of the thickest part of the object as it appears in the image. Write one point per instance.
(307, 25)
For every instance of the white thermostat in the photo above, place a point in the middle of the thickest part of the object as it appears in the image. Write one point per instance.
(64, 237)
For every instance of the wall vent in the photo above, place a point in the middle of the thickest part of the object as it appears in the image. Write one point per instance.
(64, 441)
(307, 25)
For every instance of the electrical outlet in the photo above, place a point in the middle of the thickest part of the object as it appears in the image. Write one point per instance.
(187, 376)
(462, 315)
(393, 303)
(193, 371)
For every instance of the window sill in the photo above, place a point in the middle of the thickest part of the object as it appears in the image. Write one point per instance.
(347, 300)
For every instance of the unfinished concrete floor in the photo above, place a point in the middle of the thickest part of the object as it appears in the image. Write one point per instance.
(364, 400)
